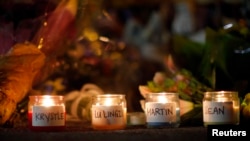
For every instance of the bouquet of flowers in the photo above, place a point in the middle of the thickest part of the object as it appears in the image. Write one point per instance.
(30, 59)
(190, 91)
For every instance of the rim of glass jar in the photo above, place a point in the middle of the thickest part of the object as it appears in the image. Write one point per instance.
(221, 93)
(60, 97)
(109, 95)
(162, 93)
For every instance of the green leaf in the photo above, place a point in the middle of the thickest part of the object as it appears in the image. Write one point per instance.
(169, 83)
(219, 49)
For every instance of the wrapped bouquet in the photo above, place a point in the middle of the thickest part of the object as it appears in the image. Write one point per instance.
(190, 91)
(28, 62)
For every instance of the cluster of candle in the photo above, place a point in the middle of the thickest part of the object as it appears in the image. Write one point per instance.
(47, 112)
(161, 110)
(109, 111)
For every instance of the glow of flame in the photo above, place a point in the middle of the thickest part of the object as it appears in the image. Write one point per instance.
(162, 99)
(108, 102)
(47, 101)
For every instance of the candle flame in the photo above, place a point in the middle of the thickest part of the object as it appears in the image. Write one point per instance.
(108, 102)
(162, 99)
(47, 101)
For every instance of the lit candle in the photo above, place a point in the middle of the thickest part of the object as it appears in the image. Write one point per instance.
(46, 113)
(221, 107)
(109, 112)
(162, 110)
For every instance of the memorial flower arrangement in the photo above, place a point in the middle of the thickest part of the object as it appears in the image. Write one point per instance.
(30, 59)
(190, 92)
(218, 64)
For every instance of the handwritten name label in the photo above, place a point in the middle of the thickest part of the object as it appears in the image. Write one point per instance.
(108, 115)
(215, 110)
(48, 116)
(218, 111)
(160, 112)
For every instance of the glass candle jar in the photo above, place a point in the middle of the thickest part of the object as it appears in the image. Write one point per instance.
(221, 107)
(46, 113)
(162, 110)
(109, 112)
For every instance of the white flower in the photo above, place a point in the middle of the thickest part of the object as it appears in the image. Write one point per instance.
(159, 78)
